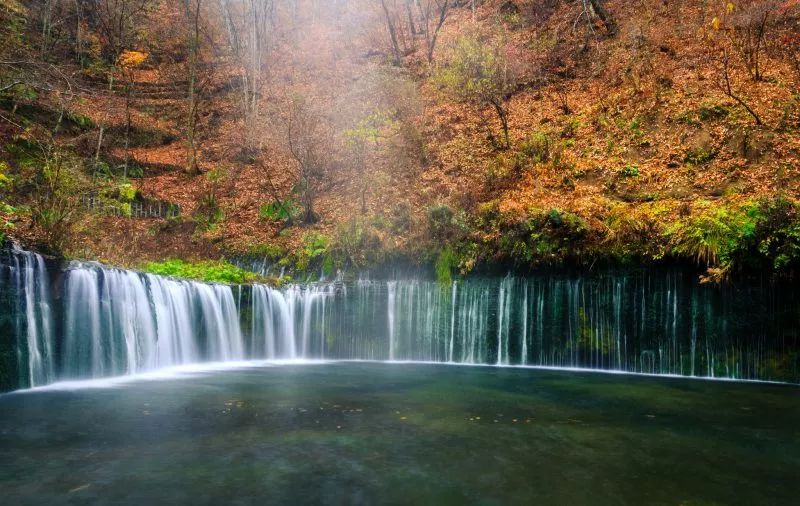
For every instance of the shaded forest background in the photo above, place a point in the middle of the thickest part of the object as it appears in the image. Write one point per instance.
(341, 134)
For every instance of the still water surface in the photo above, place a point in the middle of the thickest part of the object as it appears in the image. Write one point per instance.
(377, 433)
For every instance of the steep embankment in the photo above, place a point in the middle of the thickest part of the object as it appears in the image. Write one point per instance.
(637, 135)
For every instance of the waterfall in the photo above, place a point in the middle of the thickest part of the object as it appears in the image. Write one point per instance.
(123, 322)
(34, 321)
(113, 322)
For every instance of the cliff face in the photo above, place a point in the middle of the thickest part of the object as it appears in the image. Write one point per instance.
(539, 132)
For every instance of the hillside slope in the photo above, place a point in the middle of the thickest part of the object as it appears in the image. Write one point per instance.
(639, 132)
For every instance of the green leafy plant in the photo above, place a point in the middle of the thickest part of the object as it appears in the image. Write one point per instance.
(446, 263)
(7, 212)
(286, 211)
(314, 246)
(713, 233)
(536, 147)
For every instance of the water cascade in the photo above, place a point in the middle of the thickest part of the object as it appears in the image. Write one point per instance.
(32, 316)
(104, 322)
(122, 322)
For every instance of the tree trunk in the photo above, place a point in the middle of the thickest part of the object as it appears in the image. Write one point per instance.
(605, 16)
(442, 16)
(128, 91)
(392, 34)
(47, 26)
(191, 119)
(502, 114)
(727, 88)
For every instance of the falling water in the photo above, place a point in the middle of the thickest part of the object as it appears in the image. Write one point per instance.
(113, 322)
(33, 320)
(123, 322)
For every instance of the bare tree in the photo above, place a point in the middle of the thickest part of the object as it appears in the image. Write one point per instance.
(306, 139)
(433, 14)
(723, 39)
(594, 9)
(748, 32)
(478, 73)
(390, 26)
(248, 24)
(192, 11)
(118, 21)
(724, 82)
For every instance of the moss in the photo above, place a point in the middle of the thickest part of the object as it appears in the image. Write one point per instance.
(699, 156)
(270, 251)
(207, 271)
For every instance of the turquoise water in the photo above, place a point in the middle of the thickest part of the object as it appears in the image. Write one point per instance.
(377, 433)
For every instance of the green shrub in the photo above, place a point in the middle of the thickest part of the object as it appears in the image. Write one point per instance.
(7, 212)
(541, 236)
(762, 235)
(401, 218)
(536, 147)
(446, 263)
(629, 171)
(707, 112)
(635, 127)
(571, 128)
(356, 245)
(209, 213)
(443, 222)
(25, 152)
(776, 239)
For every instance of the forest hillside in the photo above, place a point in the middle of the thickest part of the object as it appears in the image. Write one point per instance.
(180, 135)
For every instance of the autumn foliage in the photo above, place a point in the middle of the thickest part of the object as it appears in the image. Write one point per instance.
(549, 131)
